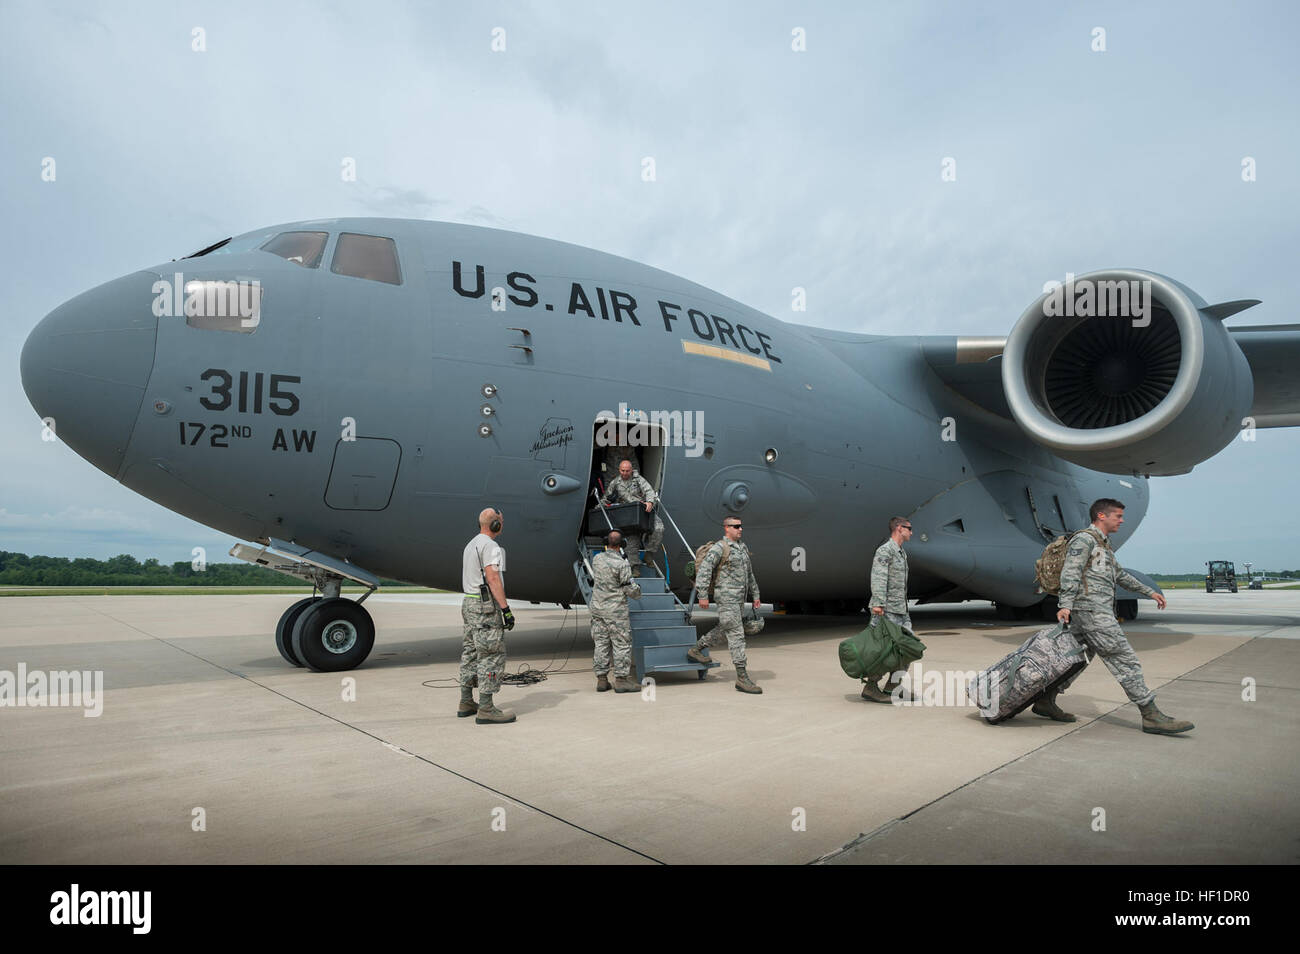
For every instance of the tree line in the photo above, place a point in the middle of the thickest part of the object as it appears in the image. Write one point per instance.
(19, 569)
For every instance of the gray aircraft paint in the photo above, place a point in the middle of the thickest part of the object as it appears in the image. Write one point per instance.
(204, 422)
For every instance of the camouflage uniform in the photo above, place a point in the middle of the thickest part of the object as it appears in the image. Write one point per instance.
(637, 490)
(483, 645)
(736, 586)
(1090, 561)
(610, 628)
(889, 583)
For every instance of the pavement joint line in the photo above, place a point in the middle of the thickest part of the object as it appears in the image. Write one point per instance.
(882, 829)
(856, 842)
(862, 839)
(1258, 685)
(385, 742)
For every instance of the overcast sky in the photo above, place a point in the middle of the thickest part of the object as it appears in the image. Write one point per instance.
(775, 168)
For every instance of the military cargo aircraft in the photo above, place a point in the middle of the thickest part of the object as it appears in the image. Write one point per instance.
(350, 393)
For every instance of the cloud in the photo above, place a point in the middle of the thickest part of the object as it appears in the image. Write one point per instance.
(71, 520)
(397, 202)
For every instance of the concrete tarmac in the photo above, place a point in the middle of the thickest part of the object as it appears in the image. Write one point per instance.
(211, 749)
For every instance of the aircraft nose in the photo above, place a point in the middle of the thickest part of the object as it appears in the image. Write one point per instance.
(87, 363)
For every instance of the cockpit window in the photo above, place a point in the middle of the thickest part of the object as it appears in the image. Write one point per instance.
(367, 256)
(301, 248)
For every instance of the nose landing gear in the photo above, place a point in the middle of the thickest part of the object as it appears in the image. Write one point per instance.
(324, 633)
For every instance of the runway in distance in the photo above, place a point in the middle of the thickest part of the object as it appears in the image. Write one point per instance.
(350, 393)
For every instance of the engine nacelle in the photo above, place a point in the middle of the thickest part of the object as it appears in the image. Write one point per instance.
(1120, 371)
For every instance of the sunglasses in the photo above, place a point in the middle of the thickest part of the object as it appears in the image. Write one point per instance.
(732, 526)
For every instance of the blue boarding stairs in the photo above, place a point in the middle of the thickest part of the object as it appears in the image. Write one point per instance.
(660, 622)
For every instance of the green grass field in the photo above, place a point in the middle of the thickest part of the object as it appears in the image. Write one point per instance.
(1195, 585)
(187, 590)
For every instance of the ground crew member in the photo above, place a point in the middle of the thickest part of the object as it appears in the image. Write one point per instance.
(889, 594)
(631, 487)
(486, 616)
(611, 629)
(736, 584)
(1087, 601)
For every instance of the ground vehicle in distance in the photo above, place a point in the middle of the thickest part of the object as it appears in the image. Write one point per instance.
(1220, 575)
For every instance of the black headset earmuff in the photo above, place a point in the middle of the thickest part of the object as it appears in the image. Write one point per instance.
(495, 525)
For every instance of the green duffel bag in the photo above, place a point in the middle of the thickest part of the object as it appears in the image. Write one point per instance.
(880, 648)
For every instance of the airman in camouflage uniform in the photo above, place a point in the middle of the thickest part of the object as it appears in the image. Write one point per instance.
(736, 585)
(631, 487)
(486, 616)
(1087, 603)
(610, 627)
(889, 595)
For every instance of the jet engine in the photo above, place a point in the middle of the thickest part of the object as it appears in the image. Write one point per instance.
(1127, 372)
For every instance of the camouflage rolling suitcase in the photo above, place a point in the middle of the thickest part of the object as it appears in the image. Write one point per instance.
(1044, 661)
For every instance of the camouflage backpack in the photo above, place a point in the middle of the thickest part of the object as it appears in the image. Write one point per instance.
(1047, 569)
(700, 554)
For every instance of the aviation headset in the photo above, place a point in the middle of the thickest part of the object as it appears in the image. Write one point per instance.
(495, 525)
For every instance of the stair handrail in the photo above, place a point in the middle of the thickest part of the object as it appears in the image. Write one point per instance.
(690, 552)
(681, 536)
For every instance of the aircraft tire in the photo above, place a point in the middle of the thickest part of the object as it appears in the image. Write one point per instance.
(334, 635)
(1126, 609)
(284, 629)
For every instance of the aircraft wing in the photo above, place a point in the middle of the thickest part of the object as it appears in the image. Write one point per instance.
(1274, 355)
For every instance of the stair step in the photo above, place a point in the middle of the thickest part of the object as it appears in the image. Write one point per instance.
(650, 619)
(683, 636)
(653, 601)
(666, 659)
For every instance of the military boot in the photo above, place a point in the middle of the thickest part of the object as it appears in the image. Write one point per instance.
(1046, 706)
(744, 683)
(467, 705)
(893, 687)
(873, 693)
(696, 654)
(488, 714)
(602, 683)
(626, 684)
(1155, 721)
